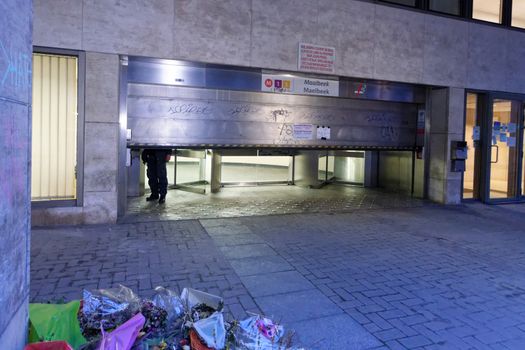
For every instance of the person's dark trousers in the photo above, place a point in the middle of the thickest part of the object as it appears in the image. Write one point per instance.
(162, 175)
(153, 181)
(157, 175)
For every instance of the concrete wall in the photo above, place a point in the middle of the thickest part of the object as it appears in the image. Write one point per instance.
(446, 125)
(15, 134)
(371, 41)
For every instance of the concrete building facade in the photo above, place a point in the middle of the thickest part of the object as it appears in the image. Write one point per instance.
(15, 135)
(373, 41)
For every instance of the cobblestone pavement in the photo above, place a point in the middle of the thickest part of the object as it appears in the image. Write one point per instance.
(406, 278)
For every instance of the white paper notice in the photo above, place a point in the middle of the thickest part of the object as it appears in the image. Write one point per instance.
(323, 133)
(476, 133)
(303, 131)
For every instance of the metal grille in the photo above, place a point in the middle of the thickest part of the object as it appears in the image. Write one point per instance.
(54, 128)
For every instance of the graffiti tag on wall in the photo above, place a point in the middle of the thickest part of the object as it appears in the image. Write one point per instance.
(15, 68)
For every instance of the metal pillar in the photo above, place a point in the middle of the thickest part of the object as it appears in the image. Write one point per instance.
(307, 169)
(371, 168)
(216, 165)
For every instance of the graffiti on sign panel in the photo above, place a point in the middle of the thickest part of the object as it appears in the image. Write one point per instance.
(240, 110)
(190, 108)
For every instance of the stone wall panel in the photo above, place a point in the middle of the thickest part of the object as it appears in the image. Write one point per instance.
(212, 31)
(101, 158)
(58, 23)
(100, 207)
(399, 42)
(353, 39)
(445, 51)
(134, 27)
(487, 57)
(278, 27)
(101, 95)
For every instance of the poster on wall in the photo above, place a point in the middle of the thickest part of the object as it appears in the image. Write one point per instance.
(323, 132)
(315, 58)
(476, 133)
(303, 131)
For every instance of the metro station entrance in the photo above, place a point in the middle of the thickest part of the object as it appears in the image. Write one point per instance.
(232, 128)
(267, 185)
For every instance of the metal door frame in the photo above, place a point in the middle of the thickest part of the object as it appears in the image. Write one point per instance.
(488, 147)
(484, 109)
(189, 186)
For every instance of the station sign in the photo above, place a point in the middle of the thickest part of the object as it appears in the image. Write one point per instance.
(288, 84)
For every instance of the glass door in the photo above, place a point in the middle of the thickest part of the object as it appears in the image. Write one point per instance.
(504, 155)
(325, 172)
(190, 170)
(471, 175)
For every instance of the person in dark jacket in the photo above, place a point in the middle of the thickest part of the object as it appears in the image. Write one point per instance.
(157, 175)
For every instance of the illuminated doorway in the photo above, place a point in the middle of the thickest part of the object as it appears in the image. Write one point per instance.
(494, 136)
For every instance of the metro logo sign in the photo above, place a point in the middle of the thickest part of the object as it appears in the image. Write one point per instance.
(277, 83)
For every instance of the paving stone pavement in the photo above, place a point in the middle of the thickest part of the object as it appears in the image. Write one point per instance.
(406, 278)
(174, 254)
(265, 200)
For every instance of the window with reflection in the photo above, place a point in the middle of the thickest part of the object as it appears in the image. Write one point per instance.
(518, 13)
(487, 10)
(451, 7)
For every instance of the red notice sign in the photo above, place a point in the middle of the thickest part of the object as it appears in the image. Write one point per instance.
(314, 58)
